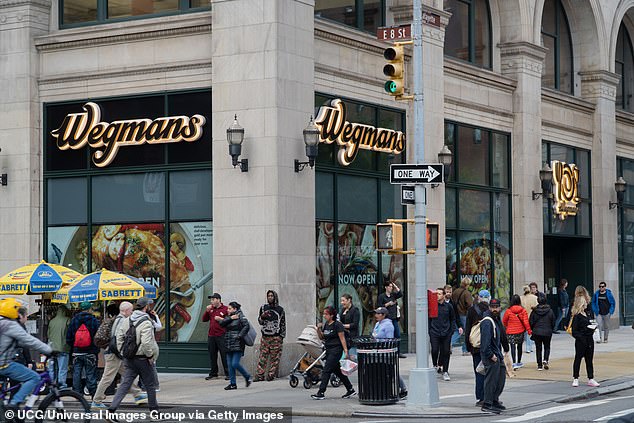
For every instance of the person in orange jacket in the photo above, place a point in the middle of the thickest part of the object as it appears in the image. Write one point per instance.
(515, 321)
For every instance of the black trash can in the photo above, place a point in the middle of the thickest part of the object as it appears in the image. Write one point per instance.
(378, 370)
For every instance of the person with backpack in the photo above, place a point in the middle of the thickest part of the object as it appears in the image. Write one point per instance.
(136, 343)
(113, 361)
(237, 327)
(81, 331)
(273, 321)
(542, 322)
(515, 321)
(474, 316)
(57, 329)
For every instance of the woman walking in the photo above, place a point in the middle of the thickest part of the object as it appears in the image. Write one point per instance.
(237, 326)
(564, 304)
(582, 330)
(541, 322)
(350, 317)
(332, 333)
(515, 321)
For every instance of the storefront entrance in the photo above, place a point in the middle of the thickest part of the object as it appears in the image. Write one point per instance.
(569, 258)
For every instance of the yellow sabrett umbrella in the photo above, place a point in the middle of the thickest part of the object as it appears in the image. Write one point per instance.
(103, 285)
(36, 278)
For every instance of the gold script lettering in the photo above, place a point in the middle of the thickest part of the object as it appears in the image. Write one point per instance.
(79, 129)
(333, 126)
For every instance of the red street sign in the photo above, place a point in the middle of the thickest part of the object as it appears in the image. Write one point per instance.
(403, 32)
(431, 19)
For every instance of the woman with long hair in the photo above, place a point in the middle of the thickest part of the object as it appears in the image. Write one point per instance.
(332, 332)
(582, 330)
(581, 291)
(542, 322)
(350, 317)
(515, 321)
(563, 300)
(237, 327)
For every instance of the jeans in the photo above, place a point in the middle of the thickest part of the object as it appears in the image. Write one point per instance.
(603, 320)
(539, 341)
(332, 365)
(584, 349)
(530, 345)
(143, 368)
(561, 313)
(397, 333)
(440, 347)
(27, 377)
(233, 361)
(62, 370)
(494, 381)
(518, 348)
(215, 347)
(479, 379)
(88, 362)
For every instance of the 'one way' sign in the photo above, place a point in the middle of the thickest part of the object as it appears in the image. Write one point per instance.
(429, 173)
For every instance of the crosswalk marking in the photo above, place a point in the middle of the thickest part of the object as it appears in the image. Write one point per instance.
(545, 412)
(615, 415)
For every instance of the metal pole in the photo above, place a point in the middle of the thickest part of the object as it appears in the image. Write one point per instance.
(423, 389)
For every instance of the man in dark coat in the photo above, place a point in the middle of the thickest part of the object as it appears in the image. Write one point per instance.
(273, 322)
(84, 357)
(389, 300)
(491, 330)
(440, 330)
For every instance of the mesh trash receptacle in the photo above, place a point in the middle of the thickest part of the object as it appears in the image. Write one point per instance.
(378, 370)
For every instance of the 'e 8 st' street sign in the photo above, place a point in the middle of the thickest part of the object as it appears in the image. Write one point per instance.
(428, 173)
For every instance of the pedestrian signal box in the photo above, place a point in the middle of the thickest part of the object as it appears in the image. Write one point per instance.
(432, 236)
(389, 237)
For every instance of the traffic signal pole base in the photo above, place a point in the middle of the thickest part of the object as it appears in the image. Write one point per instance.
(423, 388)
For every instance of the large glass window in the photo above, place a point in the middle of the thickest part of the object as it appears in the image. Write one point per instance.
(477, 209)
(624, 67)
(74, 12)
(625, 168)
(558, 65)
(468, 35)
(366, 15)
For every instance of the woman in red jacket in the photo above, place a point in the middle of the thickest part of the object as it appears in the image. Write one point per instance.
(515, 321)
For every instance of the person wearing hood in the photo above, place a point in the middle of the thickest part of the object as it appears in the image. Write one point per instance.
(273, 321)
(57, 329)
(475, 315)
(237, 326)
(81, 331)
(515, 321)
(491, 344)
(142, 364)
(542, 322)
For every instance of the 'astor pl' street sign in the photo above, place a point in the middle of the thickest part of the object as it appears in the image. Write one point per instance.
(428, 173)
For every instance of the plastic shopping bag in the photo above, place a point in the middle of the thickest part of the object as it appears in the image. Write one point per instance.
(348, 366)
(596, 335)
(480, 368)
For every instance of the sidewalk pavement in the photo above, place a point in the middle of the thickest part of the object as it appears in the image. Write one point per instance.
(612, 363)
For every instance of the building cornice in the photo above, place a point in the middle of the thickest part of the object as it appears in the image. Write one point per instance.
(340, 34)
(322, 69)
(465, 71)
(45, 4)
(567, 101)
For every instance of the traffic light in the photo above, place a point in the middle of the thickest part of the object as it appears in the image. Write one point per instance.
(394, 70)
(432, 236)
(389, 237)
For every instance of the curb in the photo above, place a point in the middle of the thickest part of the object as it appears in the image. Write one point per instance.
(593, 393)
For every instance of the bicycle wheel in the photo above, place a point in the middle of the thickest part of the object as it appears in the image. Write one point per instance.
(64, 408)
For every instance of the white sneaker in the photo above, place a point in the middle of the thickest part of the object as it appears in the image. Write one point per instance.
(575, 383)
(593, 383)
(445, 377)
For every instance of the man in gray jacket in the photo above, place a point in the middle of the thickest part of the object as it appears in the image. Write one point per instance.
(142, 363)
(13, 335)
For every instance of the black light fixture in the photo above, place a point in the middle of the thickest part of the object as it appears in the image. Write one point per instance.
(311, 139)
(619, 186)
(3, 178)
(445, 157)
(235, 136)
(546, 178)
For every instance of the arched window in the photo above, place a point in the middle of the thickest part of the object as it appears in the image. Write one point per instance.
(624, 67)
(558, 66)
(468, 35)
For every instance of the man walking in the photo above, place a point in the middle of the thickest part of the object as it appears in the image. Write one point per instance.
(273, 321)
(440, 330)
(603, 304)
(529, 302)
(142, 364)
(491, 355)
(474, 315)
(463, 301)
(455, 336)
(389, 300)
(216, 335)
(114, 364)
(57, 328)
(81, 331)
(563, 300)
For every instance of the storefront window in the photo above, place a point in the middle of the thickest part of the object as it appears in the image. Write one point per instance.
(68, 246)
(67, 201)
(367, 15)
(190, 194)
(475, 217)
(625, 168)
(133, 197)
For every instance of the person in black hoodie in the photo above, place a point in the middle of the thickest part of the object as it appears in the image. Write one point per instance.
(350, 317)
(273, 322)
(491, 337)
(542, 322)
(81, 331)
(582, 330)
(440, 330)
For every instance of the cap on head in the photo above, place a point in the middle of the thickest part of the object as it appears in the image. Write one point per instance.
(85, 305)
(495, 303)
(143, 302)
(484, 295)
(381, 310)
(215, 295)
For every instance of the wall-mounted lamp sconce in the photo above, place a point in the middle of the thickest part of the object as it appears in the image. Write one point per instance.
(619, 186)
(235, 136)
(445, 157)
(546, 177)
(311, 139)
(3, 178)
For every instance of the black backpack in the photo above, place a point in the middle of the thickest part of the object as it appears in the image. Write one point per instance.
(130, 345)
(112, 347)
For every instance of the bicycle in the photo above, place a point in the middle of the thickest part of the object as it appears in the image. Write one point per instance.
(59, 399)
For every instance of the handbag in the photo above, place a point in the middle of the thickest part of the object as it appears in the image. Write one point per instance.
(249, 337)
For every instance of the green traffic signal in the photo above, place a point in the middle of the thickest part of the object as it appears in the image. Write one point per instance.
(390, 87)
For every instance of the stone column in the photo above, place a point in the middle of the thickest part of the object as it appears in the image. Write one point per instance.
(599, 87)
(523, 61)
(264, 219)
(20, 140)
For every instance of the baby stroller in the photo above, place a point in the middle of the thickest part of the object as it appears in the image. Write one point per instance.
(310, 365)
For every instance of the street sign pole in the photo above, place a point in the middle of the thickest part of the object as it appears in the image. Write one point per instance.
(423, 389)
